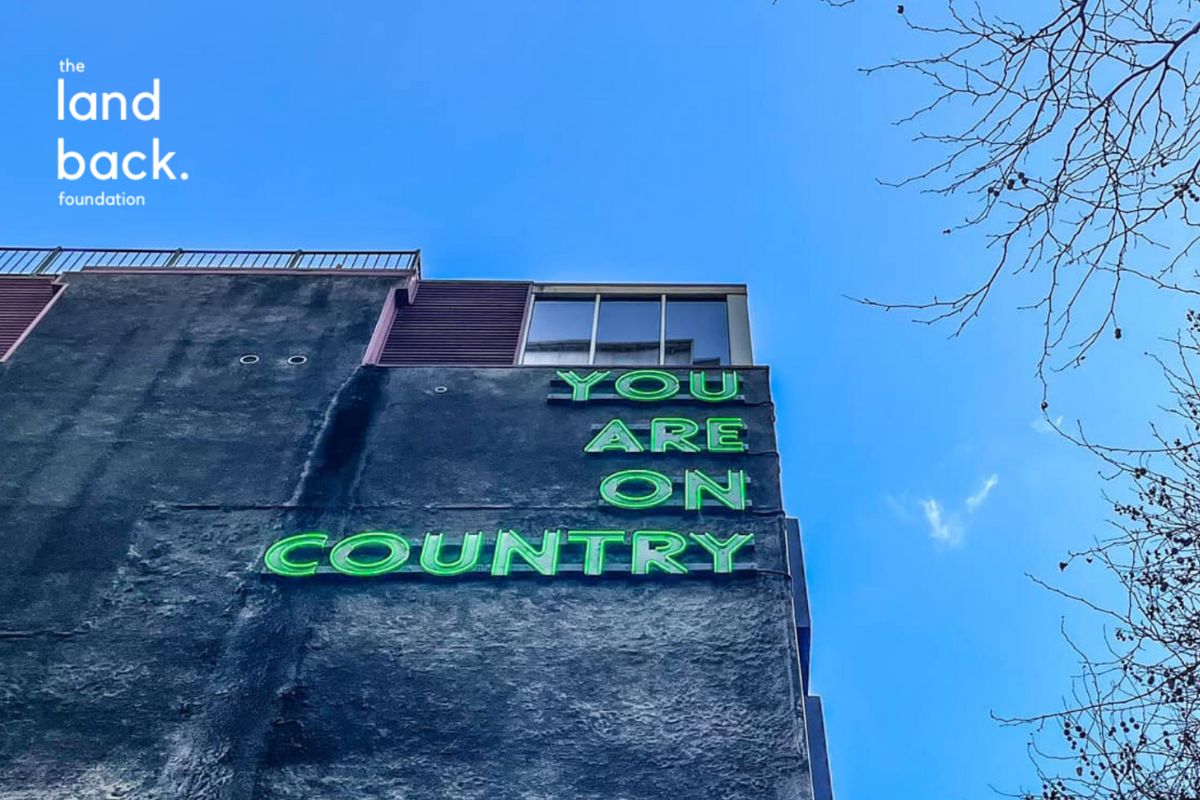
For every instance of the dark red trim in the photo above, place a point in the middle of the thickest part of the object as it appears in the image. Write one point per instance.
(24, 301)
(363, 273)
(382, 327)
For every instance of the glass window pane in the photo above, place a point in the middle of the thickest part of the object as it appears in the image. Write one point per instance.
(697, 332)
(628, 331)
(560, 332)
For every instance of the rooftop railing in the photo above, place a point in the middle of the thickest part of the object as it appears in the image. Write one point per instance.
(54, 260)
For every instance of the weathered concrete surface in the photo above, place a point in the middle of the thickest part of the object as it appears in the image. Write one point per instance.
(143, 472)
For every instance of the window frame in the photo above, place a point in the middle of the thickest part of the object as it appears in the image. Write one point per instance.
(736, 317)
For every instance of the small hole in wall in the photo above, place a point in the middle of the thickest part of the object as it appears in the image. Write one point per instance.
(297, 360)
(249, 358)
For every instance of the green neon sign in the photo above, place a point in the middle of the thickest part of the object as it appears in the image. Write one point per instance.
(672, 434)
(647, 385)
(595, 543)
(342, 559)
(697, 485)
(615, 489)
(278, 558)
(590, 553)
(543, 559)
(636, 489)
(724, 434)
(614, 436)
(699, 389)
(559, 552)
(581, 387)
(656, 550)
(652, 385)
(468, 554)
(723, 551)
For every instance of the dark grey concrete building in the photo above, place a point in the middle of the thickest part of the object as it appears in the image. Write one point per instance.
(284, 525)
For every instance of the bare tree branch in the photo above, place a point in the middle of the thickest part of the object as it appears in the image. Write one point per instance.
(1081, 148)
(1131, 728)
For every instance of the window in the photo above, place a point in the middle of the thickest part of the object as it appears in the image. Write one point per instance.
(630, 330)
(560, 332)
(697, 332)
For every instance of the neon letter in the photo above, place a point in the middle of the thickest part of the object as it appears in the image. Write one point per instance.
(724, 435)
(668, 433)
(341, 557)
(276, 557)
(722, 552)
(581, 387)
(468, 556)
(510, 543)
(594, 543)
(614, 436)
(668, 385)
(657, 549)
(698, 384)
(696, 484)
(660, 488)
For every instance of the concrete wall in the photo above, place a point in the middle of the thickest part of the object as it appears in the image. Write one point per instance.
(143, 472)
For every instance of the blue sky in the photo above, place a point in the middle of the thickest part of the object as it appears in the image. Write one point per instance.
(678, 141)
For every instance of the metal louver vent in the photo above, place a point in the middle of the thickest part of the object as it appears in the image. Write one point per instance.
(458, 322)
(22, 300)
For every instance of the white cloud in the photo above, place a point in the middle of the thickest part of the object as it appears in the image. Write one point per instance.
(946, 525)
(976, 500)
(943, 528)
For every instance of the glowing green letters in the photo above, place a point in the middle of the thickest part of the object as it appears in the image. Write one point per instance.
(725, 434)
(581, 552)
(698, 387)
(581, 388)
(594, 543)
(650, 489)
(657, 549)
(637, 489)
(647, 385)
(723, 552)
(614, 436)
(278, 555)
(651, 385)
(696, 485)
(341, 557)
(671, 434)
(589, 553)
(543, 559)
(468, 554)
